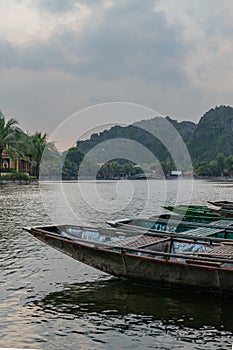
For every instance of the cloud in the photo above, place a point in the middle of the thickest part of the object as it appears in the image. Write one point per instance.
(125, 39)
(61, 6)
(55, 5)
(132, 43)
(207, 31)
(61, 56)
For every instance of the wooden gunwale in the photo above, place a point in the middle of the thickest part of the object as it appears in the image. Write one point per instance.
(222, 204)
(174, 234)
(176, 221)
(128, 251)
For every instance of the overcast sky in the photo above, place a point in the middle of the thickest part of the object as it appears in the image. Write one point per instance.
(59, 56)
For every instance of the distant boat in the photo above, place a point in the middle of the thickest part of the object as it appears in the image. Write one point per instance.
(191, 210)
(222, 208)
(222, 204)
(145, 176)
(222, 212)
(147, 258)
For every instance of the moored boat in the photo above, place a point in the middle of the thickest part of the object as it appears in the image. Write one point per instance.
(222, 212)
(191, 210)
(197, 220)
(144, 257)
(222, 204)
(222, 208)
(221, 228)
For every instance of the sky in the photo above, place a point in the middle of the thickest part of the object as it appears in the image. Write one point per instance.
(58, 57)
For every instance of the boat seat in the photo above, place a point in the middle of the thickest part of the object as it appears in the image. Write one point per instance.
(204, 232)
(222, 251)
(140, 241)
(225, 223)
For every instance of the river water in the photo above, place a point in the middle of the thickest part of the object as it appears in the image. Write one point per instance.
(49, 301)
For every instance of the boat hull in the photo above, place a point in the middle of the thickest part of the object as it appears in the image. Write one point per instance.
(207, 277)
(222, 204)
(192, 210)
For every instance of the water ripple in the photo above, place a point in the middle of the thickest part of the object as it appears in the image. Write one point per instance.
(50, 301)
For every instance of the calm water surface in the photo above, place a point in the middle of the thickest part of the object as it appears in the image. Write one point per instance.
(49, 301)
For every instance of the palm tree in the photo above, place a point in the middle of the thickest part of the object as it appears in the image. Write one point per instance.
(37, 144)
(33, 147)
(7, 136)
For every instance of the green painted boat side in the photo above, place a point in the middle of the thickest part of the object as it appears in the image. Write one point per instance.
(220, 228)
(191, 210)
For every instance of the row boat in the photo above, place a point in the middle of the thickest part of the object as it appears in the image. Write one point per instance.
(222, 204)
(192, 210)
(222, 212)
(222, 208)
(147, 258)
(174, 225)
(217, 209)
(199, 220)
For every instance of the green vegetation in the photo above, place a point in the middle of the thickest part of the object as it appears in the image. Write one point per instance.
(118, 168)
(209, 142)
(222, 166)
(20, 147)
(7, 137)
(205, 140)
(212, 135)
(14, 176)
(137, 132)
(72, 161)
(35, 148)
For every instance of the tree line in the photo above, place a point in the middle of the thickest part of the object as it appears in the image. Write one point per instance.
(221, 166)
(17, 144)
(120, 168)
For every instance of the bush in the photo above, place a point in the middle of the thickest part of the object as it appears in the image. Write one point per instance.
(14, 176)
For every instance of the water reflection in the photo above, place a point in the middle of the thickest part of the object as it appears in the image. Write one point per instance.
(42, 306)
(123, 307)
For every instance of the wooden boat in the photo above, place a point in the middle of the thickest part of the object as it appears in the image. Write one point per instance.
(221, 228)
(222, 208)
(146, 258)
(222, 212)
(199, 220)
(222, 204)
(191, 210)
(158, 223)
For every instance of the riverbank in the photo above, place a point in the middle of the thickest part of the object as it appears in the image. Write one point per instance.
(17, 178)
(215, 178)
(17, 182)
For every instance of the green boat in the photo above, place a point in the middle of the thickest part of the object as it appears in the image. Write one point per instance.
(192, 210)
(174, 224)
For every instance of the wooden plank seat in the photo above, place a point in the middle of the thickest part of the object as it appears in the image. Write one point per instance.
(221, 251)
(223, 223)
(140, 241)
(204, 232)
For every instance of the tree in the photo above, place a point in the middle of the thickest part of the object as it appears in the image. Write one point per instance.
(36, 146)
(73, 159)
(220, 163)
(229, 165)
(7, 136)
(202, 169)
(213, 168)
